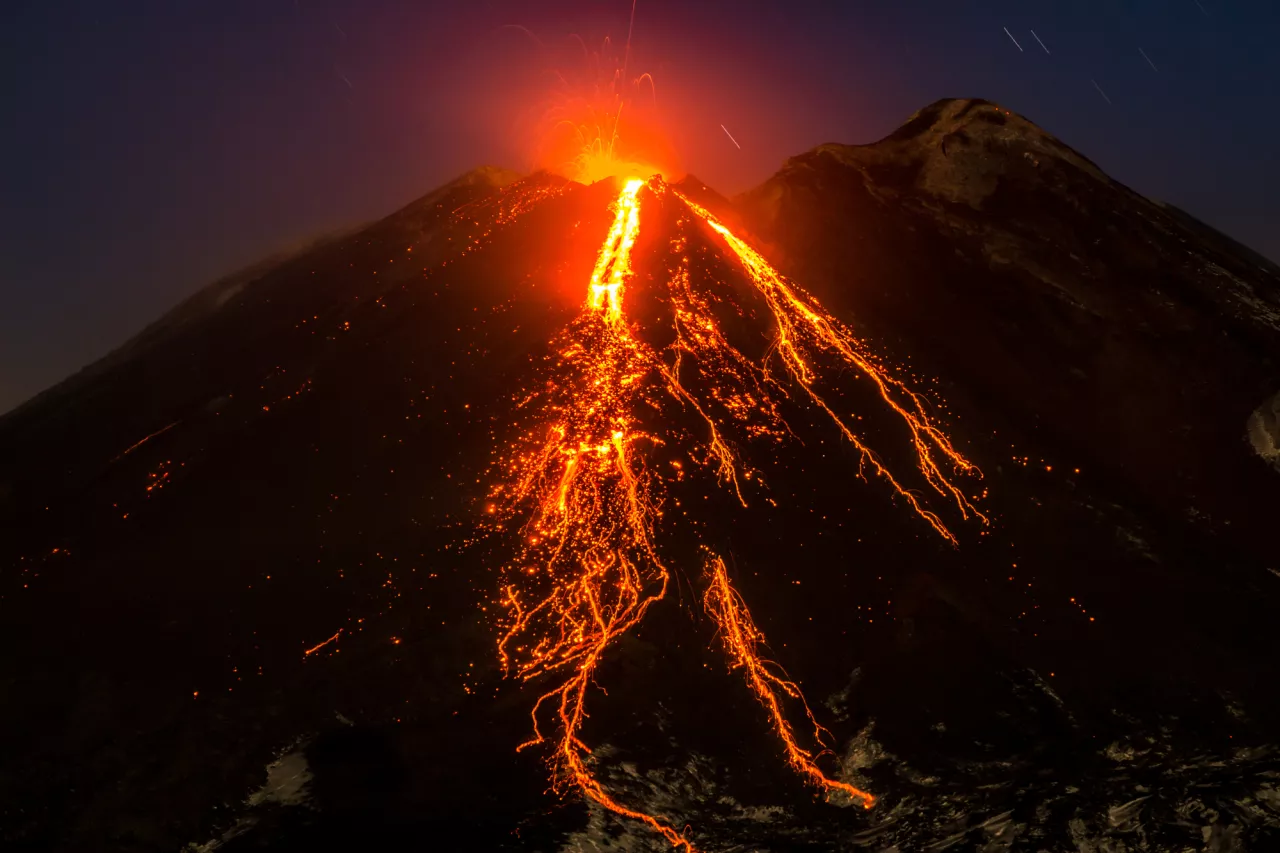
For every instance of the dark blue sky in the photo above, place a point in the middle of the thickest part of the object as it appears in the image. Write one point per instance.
(153, 145)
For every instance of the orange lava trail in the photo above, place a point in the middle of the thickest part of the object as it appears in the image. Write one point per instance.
(803, 327)
(134, 447)
(318, 646)
(742, 640)
(572, 695)
(614, 263)
(587, 569)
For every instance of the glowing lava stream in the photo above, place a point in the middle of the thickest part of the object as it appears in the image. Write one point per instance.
(801, 325)
(587, 569)
(588, 553)
(614, 263)
(742, 639)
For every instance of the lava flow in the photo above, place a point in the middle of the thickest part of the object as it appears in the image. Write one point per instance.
(588, 567)
(587, 498)
(802, 329)
(742, 639)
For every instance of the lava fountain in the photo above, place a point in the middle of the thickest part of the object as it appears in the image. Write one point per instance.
(600, 122)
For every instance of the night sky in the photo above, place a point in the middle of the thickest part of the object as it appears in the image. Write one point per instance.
(151, 146)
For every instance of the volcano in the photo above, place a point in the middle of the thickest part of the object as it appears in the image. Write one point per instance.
(922, 498)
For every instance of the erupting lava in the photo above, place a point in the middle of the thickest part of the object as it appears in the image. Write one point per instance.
(590, 139)
(603, 123)
(587, 499)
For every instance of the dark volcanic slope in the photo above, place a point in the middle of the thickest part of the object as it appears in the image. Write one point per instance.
(300, 454)
(1114, 326)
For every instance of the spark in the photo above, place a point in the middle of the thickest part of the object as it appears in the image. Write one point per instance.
(1148, 59)
(626, 54)
(1100, 92)
(730, 135)
(345, 80)
(528, 32)
(158, 478)
(1014, 40)
(320, 646)
(1201, 7)
(1037, 38)
(743, 640)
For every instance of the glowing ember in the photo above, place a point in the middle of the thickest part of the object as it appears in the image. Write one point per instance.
(586, 503)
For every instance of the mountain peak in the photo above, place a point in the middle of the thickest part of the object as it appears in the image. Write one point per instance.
(961, 149)
(956, 122)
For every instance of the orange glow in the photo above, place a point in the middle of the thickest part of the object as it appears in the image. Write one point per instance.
(602, 123)
(742, 640)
